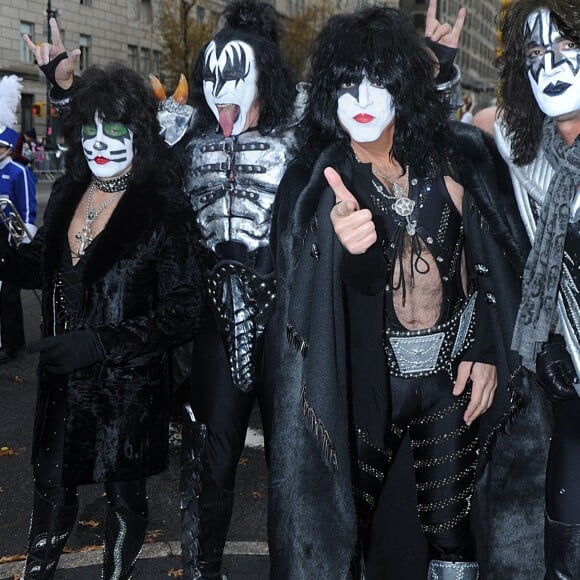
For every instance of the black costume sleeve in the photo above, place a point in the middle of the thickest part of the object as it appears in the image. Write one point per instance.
(483, 348)
(23, 266)
(366, 273)
(176, 316)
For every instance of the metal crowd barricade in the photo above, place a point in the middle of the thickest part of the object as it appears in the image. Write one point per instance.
(48, 165)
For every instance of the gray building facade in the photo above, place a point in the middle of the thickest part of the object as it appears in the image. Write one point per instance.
(477, 49)
(104, 30)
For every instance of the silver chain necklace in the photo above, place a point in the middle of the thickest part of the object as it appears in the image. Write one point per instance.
(85, 236)
(402, 205)
(399, 201)
(398, 206)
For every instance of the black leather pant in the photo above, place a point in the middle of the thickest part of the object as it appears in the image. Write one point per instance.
(444, 452)
(563, 472)
(225, 412)
(11, 319)
(223, 408)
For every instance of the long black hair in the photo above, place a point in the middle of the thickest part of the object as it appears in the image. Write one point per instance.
(382, 43)
(522, 115)
(254, 23)
(118, 94)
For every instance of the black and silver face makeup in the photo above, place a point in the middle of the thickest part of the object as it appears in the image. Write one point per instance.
(364, 109)
(108, 147)
(230, 85)
(552, 64)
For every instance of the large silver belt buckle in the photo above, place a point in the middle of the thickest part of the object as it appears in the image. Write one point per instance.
(417, 354)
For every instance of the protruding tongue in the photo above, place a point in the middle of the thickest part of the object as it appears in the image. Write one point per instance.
(228, 116)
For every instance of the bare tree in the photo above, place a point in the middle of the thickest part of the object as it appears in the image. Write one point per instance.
(300, 30)
(182, 38)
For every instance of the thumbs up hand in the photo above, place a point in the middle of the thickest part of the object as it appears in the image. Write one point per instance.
(354, 227)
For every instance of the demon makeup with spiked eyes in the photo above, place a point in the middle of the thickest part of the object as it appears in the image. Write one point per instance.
(553, 64)
(365, 109)
(230, 86)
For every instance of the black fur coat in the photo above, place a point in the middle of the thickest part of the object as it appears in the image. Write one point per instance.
(141, 296)
(312, 525)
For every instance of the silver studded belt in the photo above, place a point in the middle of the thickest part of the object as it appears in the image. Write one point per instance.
(419, 353)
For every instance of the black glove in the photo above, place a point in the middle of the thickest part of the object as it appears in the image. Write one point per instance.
(446, 56)
(555, 372)
(65, 353)
(49, 69)
(6, 249)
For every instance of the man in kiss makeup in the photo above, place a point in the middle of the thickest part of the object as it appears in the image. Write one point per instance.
(537, 133)
(121, 285)
(243, 93)
(234, 144)
(391, 312)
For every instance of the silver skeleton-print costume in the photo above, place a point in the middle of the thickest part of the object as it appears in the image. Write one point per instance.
(232, 184)
(530, 185)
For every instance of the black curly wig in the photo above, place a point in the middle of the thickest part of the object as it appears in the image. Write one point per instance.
(254, 23)
(383, 43)
(521, 113)
(118, 94)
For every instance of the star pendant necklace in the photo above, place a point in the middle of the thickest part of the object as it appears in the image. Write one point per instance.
(85, 236)
(402, 205)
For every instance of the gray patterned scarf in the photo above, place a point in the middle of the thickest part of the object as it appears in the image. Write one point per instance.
(544, 266)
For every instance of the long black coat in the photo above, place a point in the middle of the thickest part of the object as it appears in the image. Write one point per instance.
(141, 296)
(312, 515)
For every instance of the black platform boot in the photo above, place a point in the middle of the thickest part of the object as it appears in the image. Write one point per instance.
(562, 550)
(124, 536)
(194, 436)
(50, 528)
(216, 513)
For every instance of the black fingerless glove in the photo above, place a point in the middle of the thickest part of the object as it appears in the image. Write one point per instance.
(555, 372)
(58, 96)
(65, 353)
(49, 69)
(446, 56)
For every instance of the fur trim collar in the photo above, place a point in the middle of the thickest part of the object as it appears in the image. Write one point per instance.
(309, 198)
(486, 177)
(140, 208)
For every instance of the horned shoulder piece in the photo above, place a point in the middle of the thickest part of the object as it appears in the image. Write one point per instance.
(174, 114)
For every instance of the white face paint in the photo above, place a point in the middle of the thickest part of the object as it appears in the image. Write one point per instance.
(365, 110)
(553, 64)
(230, 86)
(108, 148)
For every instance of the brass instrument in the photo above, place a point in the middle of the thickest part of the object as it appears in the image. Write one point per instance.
(13, 222)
